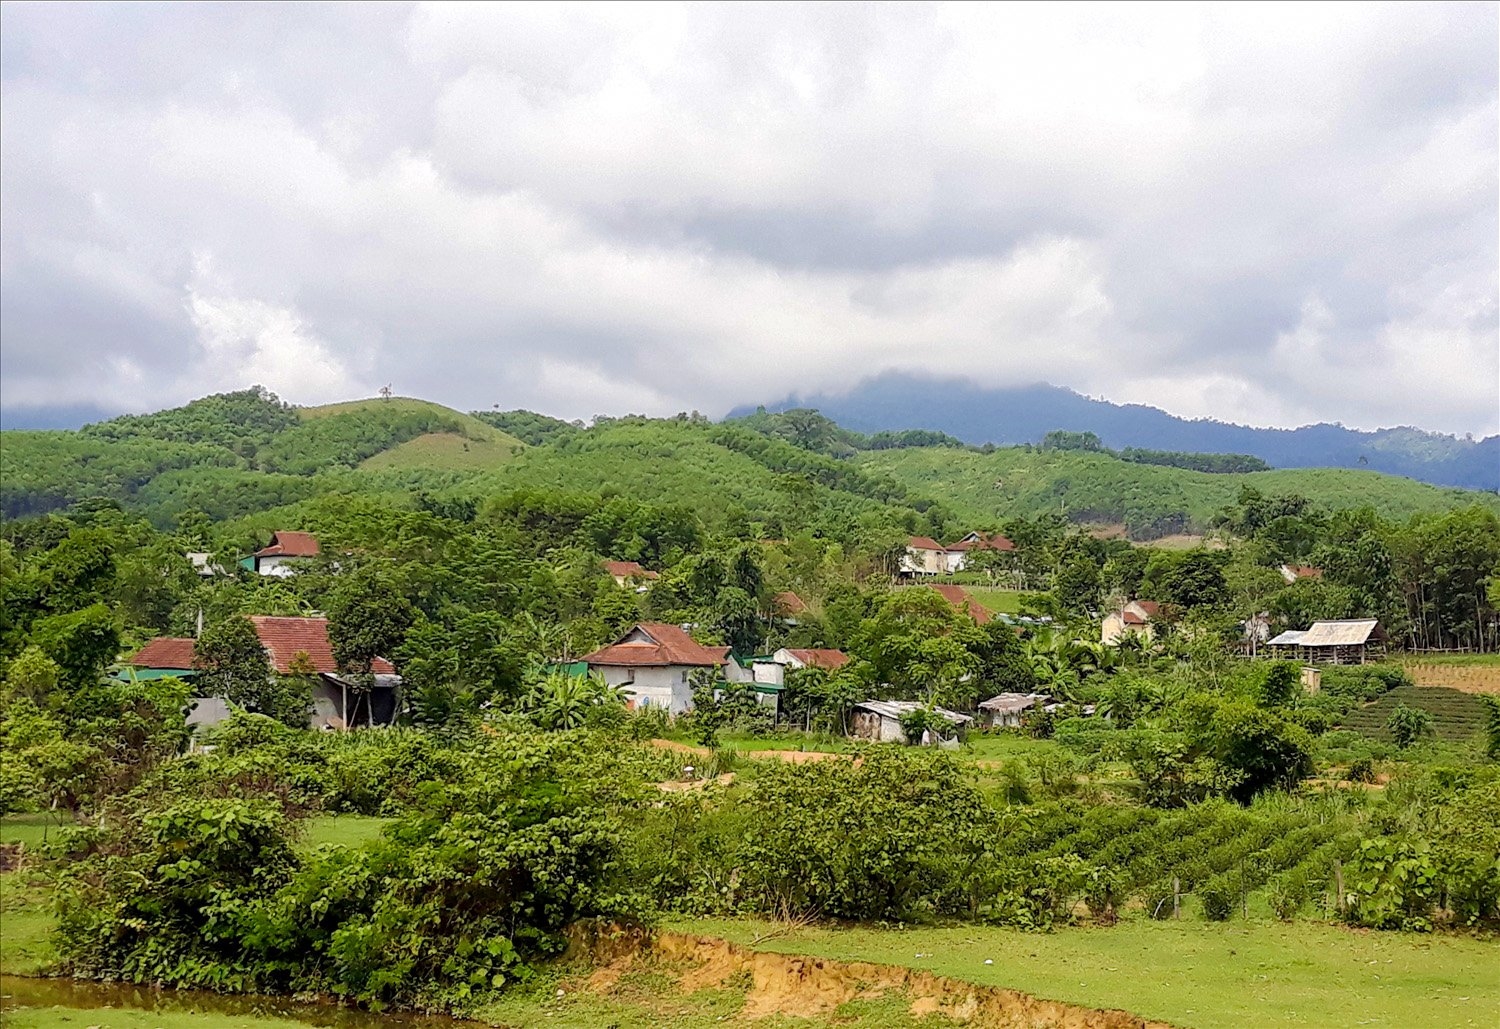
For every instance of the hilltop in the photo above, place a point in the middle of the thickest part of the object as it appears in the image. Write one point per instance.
(1023, 414)
(243, 453)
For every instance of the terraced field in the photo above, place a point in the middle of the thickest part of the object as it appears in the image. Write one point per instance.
(1457, 716)
(1468, 673)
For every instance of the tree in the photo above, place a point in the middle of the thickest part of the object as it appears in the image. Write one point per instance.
(368, 617)
(1407, 725)
(82, 643)
(232, 664)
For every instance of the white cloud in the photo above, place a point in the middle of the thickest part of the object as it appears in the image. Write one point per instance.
(1260, 214)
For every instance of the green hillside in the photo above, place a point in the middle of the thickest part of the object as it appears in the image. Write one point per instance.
(237, 454)
(1150, 500)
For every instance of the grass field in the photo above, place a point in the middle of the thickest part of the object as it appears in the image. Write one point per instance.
(445, 451)
(1457, 717)
(999, 601)
(340, 830)
(1469, 673)
(1197, 974)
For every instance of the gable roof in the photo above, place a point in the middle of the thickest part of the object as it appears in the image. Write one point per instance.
(657, 645)
(290, 544)
(959, 598)
(1139, 612)
(1011, 703)
(174, 652)
(282, 638)
(923, 543)
(819, 657)
(1348, 632)
(974, 541)
(897, 708)
(788, 603)
(628, 570)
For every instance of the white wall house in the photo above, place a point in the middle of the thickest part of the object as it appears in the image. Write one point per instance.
(287, 554)
(654, 663)
(924, 556)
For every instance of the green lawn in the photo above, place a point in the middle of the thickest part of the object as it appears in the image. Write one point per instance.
(1206, 975)
(115, 1018)
(999, 601)
(32, 828)
(25, 924)
(340, 830)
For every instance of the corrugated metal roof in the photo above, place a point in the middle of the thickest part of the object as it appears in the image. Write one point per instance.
(1345, 633)
(1290, 638)
(1010, 703)
(897, 708)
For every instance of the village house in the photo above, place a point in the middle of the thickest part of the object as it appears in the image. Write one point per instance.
(961, 599)
(293, 646)
(654, 661)
(286, 554)
(1134, 617)
(958, 553)
(629, 574)
(771, 670)
(924, 556)
(788, 607)
(880, 720)
(1347, 641)
(1005, 710)
(1291, 573)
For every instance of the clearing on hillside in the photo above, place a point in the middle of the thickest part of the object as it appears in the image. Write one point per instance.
(1467, 673)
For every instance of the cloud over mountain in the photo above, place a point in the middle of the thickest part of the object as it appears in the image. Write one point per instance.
(1263, 215)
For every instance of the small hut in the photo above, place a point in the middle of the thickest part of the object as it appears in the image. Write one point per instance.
(1343, 641)
(1004, 710)
(880, 720)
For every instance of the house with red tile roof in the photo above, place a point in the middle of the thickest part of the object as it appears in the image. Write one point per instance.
(653, 662)
(286, 554)
(924, 556)
(959, 551)
(1134, 616)
(629, 574)
(293, 646)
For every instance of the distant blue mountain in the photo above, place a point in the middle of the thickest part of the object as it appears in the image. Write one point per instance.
(1023, 414)
(53, 416)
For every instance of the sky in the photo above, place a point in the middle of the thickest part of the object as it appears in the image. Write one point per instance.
(1269, 214)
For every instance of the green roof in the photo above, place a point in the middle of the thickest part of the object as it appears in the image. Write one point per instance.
(130, 673)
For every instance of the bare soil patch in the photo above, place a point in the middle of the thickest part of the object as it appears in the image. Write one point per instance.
(814, 988)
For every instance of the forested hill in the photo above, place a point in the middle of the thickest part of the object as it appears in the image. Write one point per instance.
(895, 401)
(246, 454)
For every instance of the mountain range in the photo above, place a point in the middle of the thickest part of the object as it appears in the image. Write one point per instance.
(1024, 414)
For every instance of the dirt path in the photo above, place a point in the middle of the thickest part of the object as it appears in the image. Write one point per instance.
(813, 988)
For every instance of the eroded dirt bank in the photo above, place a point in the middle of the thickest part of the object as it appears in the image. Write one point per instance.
(813, 987)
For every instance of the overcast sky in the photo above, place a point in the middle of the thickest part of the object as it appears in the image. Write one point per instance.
(1266, 214)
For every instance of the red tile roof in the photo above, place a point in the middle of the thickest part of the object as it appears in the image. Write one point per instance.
(657, 645)
(959, 598)
(991, 542)
(924, 543)
(1305, 571)
(165, 652)
(820, 657)
(290, 544)
(1145, 610)
(285, 638)
(627, 570)
(788, 603)
(282, 638)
